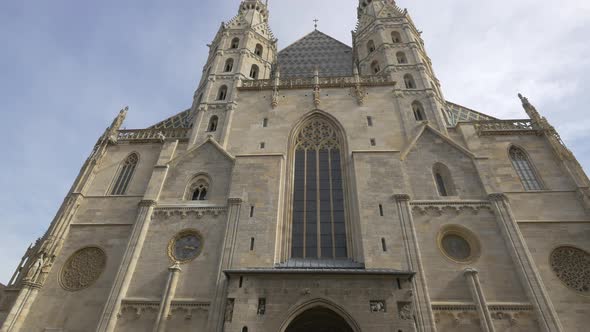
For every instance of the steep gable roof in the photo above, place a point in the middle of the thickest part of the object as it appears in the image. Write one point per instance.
(437, 133)
(333, 58)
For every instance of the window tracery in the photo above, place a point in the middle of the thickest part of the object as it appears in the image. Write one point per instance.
(198, 190)
(319, 230)
(572, 267)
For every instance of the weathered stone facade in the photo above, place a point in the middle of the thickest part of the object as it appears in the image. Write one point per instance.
(452, 220)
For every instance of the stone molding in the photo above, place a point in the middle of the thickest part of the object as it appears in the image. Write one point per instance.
(185, 211)
(139, 306)
(457, 205)
(461, 312)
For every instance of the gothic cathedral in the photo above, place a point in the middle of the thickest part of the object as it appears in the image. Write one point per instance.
(321, 188)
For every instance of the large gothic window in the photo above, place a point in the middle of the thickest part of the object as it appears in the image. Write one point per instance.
(319, 229)
(524, 169)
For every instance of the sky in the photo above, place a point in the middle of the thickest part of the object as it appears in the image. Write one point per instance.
(68, 66)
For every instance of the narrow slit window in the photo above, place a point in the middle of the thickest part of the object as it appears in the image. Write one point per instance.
(126, 171)
(265, 123)
(383, 245)
(373, 142)
(381, 210)
(241, 282)
(262, 145)
(252, 244)
(251, 211)
(370, 121)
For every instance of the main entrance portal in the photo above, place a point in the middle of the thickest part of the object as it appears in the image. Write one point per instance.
(319, 320)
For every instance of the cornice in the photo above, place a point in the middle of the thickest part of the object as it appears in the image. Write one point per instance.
(474, 206)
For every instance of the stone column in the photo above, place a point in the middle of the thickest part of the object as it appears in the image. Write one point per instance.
(529, 275)
(108, 320)
(169, 292)
(423, 307)
(217, 309)
(487, 325)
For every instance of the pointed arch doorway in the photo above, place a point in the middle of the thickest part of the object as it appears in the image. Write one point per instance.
(319, 319)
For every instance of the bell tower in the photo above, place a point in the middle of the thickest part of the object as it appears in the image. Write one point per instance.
(386, 42)
(243, 49)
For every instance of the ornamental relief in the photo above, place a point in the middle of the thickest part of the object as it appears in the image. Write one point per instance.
(317, 135)
(83, 268)
(572, 267)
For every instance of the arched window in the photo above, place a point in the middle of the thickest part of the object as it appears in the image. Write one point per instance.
(319, 228)
(524, 169)
(375, 68)
(258, 50)
(401, 57)
(125, 174)
(229, 65)
(213, 123)
(222, 94)
(245, 329)
(235, 43)
(198, 189)
(371, 46)
(409, 80)
(418, 111)
(396, 37)
(254, 72)
(443, 180)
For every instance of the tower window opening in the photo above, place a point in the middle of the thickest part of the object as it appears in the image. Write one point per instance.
(443, 180)
(371, 46)
(401, 58)
(373, 142)
(396, 37)
(222, 94)
(254, 72)
(418, 111)
(370, 121)
(235, 43)
(258, 50)
(213, 124)
(409, 81)
(229, 65)
(375, 68)
(265, 122)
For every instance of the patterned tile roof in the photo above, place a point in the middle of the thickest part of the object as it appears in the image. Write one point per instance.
(300, 59)
(457, 113)
(180, 120)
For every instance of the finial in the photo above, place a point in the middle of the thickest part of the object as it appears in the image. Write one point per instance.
(316, 23)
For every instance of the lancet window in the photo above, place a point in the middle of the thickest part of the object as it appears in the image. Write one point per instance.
(198, 189)
(375, 68)
(125, 174)
(396, 37)
(409, 81)
(401, 58)
(229, 65)
(444, 181)
(222, 94)
(319, 229)
(235, 43)
(258, 50)
(213, 124)
(254, 71)
(524, 169)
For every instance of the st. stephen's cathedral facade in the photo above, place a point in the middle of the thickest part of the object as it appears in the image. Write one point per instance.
(318, 188)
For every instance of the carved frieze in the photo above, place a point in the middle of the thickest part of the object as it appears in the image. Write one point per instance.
(457, 206)
(466, 313)
(140, 306)
(184, 212)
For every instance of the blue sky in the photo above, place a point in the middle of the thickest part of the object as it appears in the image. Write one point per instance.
(67, 67)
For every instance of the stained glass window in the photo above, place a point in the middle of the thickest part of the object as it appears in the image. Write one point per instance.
(319, 228)
(524, 169)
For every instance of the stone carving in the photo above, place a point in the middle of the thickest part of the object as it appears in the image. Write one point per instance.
(405, 310)
(572, 267)
(377, 306)
(35, 268)
(184, 212)
(457, 206)
(359, 93)
(229, 309)
(188, 307)
(83, 268)
(317, 134)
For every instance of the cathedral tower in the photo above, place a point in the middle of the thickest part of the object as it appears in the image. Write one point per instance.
(243, 49)
(386, 42)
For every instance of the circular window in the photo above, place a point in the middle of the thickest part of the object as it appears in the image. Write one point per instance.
(572, 267)
(185, 246)
(459, 244)
(83, 268)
